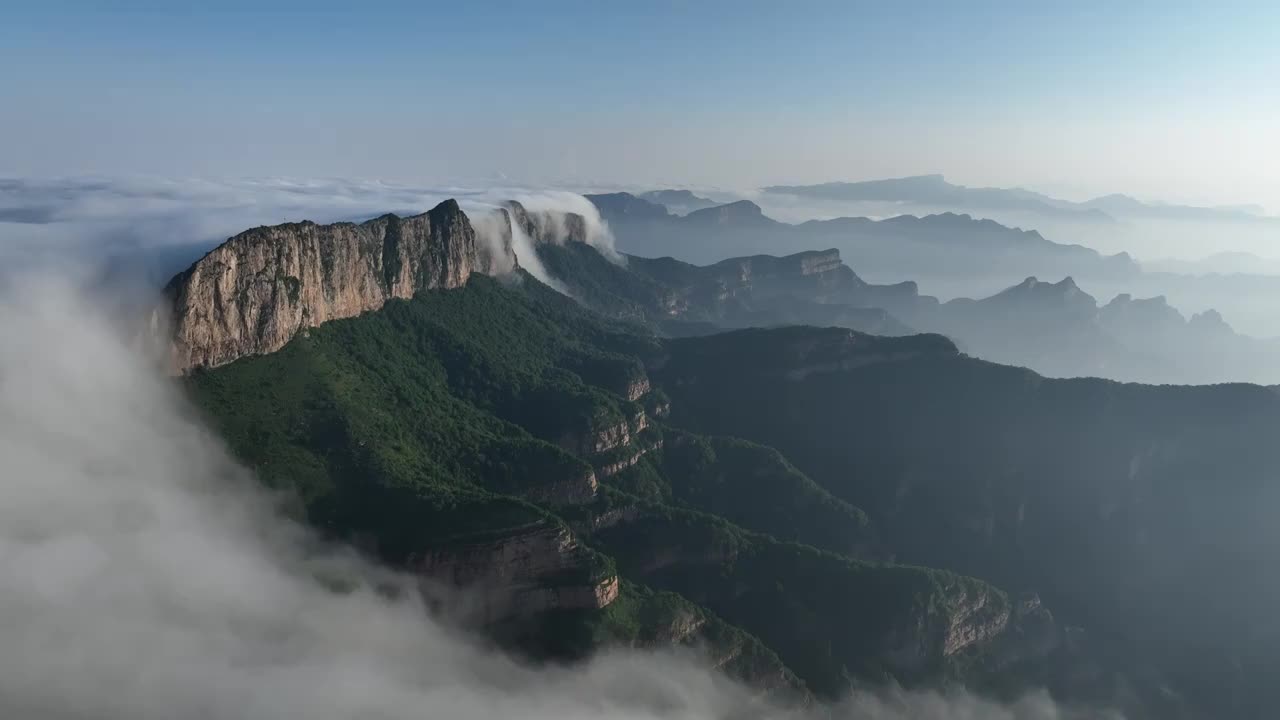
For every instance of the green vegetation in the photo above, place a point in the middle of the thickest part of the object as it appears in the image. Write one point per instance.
(440, 411)
(605, 286)
(475, 415)
(645, 618)
(830, 618)
(1130, 509)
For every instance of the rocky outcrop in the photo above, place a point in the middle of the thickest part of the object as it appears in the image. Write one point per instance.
(972, 617)
(255, 292)
(615, 447)
(626, 460)
(1032, 633)
(636, 388)
(976, 617)
(574, 490)
(613, 516)
(541, 568)
(606, 438)
(657, 404)
(540, 227)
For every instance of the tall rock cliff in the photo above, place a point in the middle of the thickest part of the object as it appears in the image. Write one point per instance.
(540, 227)
(537, 569)
(253, 293)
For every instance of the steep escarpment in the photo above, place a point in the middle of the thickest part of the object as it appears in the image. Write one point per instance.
(516, 575)
(547, 227)
(255, 292)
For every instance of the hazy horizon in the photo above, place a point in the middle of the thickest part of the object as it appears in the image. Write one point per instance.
(1076, 102)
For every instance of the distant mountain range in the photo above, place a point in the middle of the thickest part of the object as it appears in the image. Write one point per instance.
(1053, 328)
(1025, 325)
(1060, 330)
(950, 255)
(934, 191)
(956, 253)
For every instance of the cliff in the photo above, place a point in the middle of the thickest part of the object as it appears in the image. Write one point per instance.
(519, 575)
(547, 227)
(972, 616)
(255, 292)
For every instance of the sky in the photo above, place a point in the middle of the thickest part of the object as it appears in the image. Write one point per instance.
(1160, 100)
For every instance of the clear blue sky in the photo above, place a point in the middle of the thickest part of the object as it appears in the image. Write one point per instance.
(1156, 99)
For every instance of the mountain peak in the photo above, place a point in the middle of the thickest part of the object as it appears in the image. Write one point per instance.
(742, 212)
(927, 179)
(1034, 292)
(1067, 283)
(1210, 321)
(935, 192)
(677, 200)
(741, 207)
(625, 205)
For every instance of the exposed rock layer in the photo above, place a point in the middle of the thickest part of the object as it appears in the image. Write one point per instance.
(255, 292)
(517, 576)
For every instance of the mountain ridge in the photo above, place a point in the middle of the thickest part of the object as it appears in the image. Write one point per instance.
(945, 241)
(935, 190)
(681, 202)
